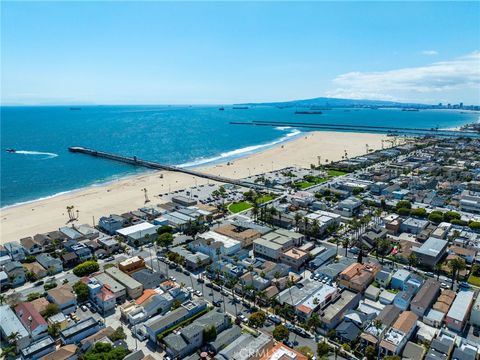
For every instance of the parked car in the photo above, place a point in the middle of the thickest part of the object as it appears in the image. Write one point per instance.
(39, 283)
(275, 319)
(243, 318)
(84, 308)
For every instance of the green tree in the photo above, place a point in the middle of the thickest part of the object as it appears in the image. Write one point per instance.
(412, 260)
(305, 350)
(54, 329)
(86, 268)
(31, 276)
(436, 217)
(209, 333)
(456, 265)
(332, 334)
(257, 319)
(403, 204)
(165, 240)
(474, 225)
(384, 246)
(81, 289)
(105, 351)
(451, 215)
(118, 334)
(50, 309)
(164, 229)
(323, 349)
(419, 212)
(370, 352)
(33, 296)
(281, 333)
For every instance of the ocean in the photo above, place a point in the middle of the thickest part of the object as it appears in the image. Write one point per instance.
(176, 135)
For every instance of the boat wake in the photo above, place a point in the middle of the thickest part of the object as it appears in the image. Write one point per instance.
(234, 154)
(47, 155)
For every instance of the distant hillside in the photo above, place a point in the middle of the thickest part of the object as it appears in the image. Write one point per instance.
(334, 102)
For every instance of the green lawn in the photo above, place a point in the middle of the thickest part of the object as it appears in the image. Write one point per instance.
(474, 280)
(336, 173)
(305, 184)
(264, 198)
(239, 206)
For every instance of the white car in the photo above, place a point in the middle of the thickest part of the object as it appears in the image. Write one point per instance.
(198, 293)
(243, 318)
(190, 290)
(172, 278)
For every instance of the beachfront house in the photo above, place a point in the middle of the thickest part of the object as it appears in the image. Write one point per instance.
(110, 224)
(49, 263)
(139, 234)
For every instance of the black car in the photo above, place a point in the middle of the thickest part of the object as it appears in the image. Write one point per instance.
(476, 331)
(217, 303)
(39, 283)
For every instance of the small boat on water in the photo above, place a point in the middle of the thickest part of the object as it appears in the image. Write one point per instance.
(308, 112)
(75, 108)
(221, 108)
(11, 150)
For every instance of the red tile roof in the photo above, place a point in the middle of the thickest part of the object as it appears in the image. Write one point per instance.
(25, 311)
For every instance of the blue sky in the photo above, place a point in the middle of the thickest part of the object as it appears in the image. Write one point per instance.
(201, 53)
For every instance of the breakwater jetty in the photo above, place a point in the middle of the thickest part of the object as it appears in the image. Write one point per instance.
(432, 132)
(157, 166)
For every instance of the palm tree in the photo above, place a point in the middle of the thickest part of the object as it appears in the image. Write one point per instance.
(305, 226)
(456, 265)
(438, 269)
(297, 219)
(384, 245)
(346, 245)
(315, 228)
(13, 340)
(2, 299)
(412, 260)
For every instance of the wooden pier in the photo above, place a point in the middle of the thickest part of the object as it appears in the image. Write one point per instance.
(157, 166)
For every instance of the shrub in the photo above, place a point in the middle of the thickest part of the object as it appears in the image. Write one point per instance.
(420, 212)
(81, 290)
(86, 268)
(257, 319)
(474, 225)
(33, 296)
(403, 204)
(403, 211)
(280, 333)
(50, 309)
(49, 286)
(436, 217)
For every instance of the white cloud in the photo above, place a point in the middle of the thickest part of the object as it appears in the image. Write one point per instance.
(430, 52)
(458, 75)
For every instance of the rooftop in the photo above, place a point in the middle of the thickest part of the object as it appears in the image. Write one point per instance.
(10, 323)
(405, 322)
(432, 247)
(461, 305)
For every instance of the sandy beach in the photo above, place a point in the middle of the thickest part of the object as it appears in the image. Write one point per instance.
(126, 194)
